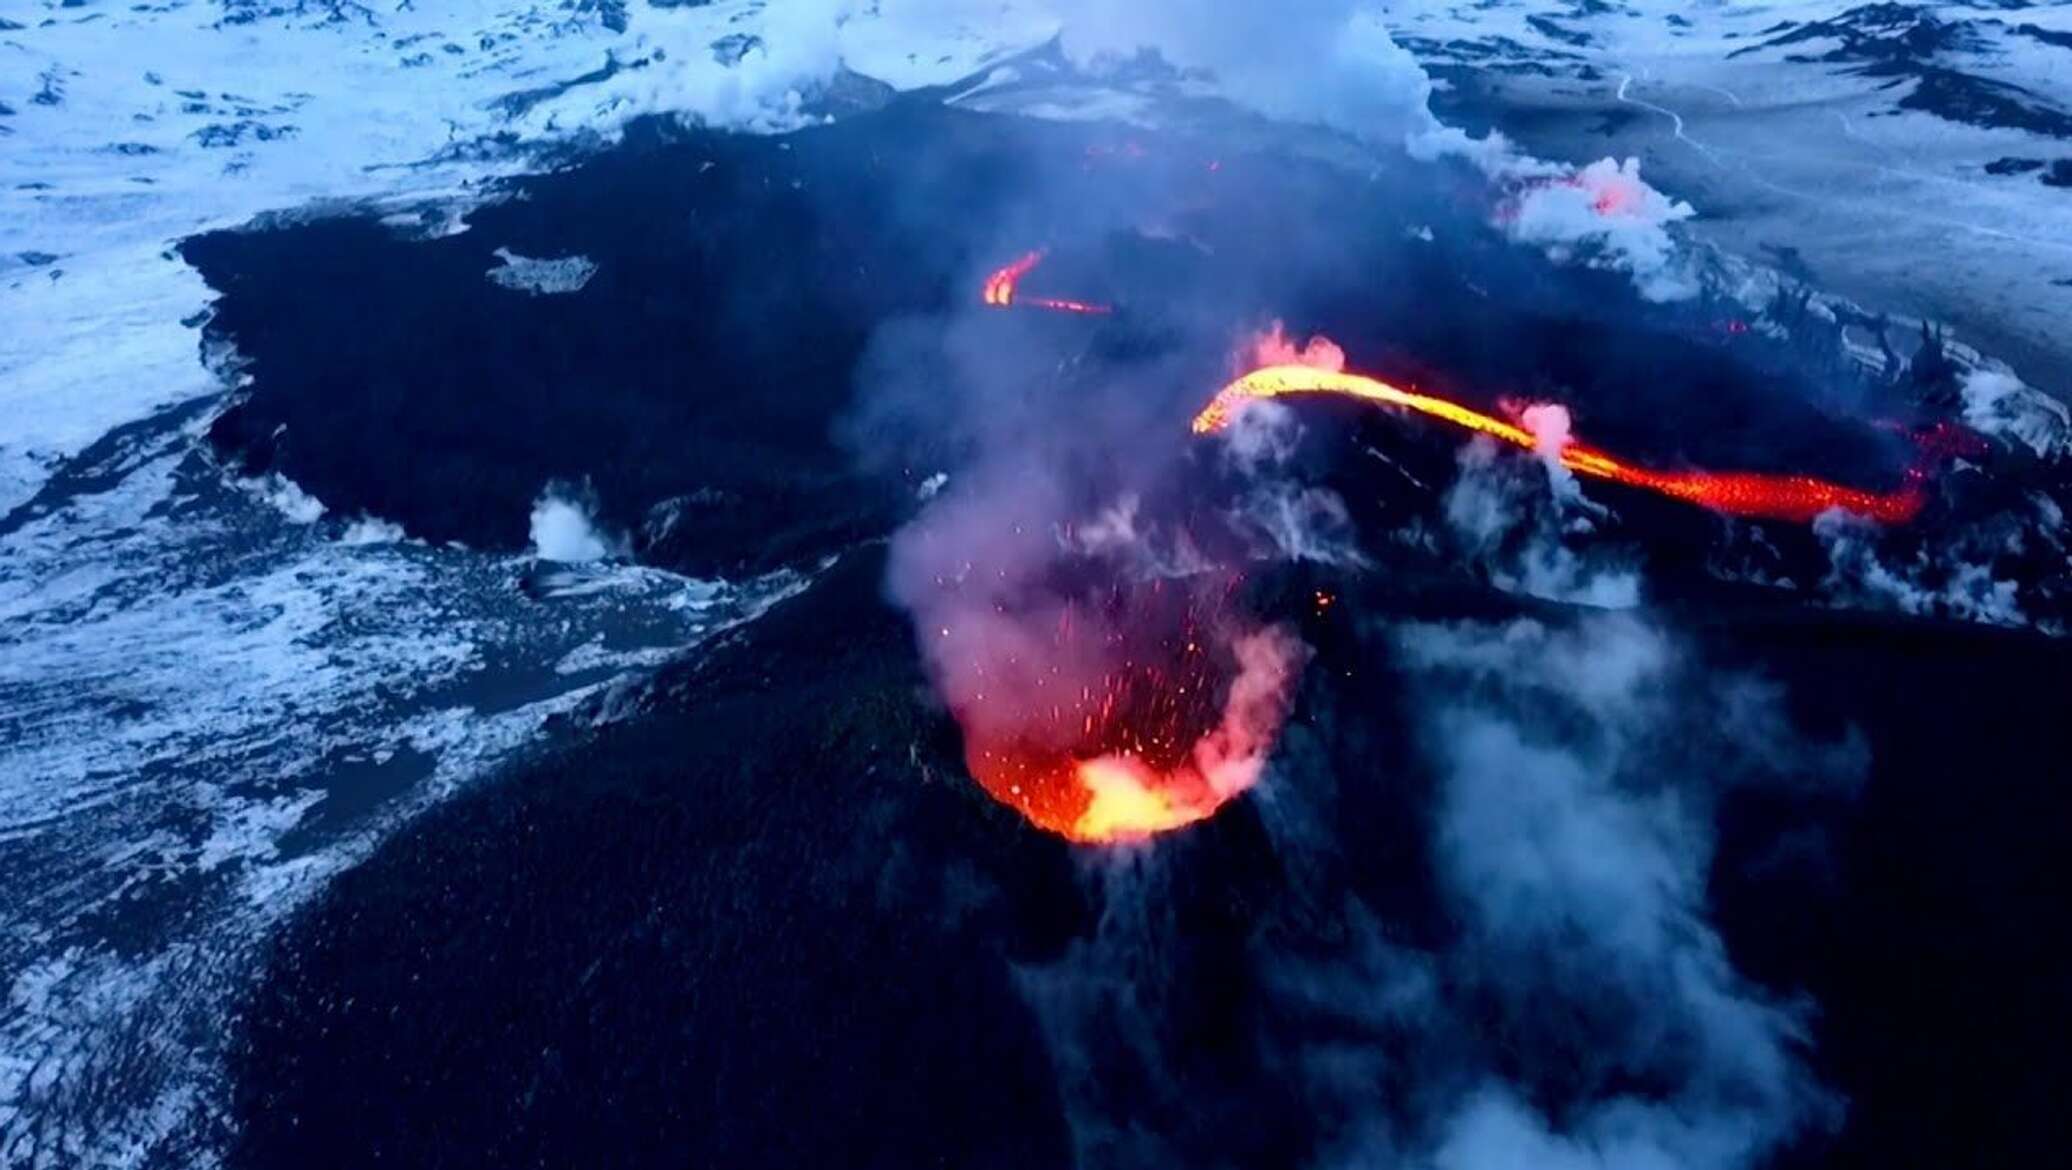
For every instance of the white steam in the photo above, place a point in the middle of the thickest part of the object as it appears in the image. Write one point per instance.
(1949, 578)
(1515, 520)
(1333, 63)
(1578, 861)
(564, 529)
(1328, 62)
(1606, 216)
(1287, 519)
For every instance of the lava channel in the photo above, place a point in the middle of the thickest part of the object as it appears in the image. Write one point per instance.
(1139, 714)
(1796, 498)
(1001, 290)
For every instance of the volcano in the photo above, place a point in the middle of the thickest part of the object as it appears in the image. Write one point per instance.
(1149, 708)
(728, 607)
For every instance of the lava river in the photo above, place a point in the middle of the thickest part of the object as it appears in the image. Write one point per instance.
(1149, 705)
(1796, 498)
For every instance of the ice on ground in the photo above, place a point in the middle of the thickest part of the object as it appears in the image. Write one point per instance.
(542, 277)
(124, 129)
(208, 704)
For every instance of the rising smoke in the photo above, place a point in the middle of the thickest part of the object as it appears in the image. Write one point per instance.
(1574, 842)
(564, 527)
(1333, 63)
(1577, 1008)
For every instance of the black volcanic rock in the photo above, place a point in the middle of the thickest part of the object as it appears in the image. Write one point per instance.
(701, 385)
(2013, 166)
(763, 924)
(765, 919)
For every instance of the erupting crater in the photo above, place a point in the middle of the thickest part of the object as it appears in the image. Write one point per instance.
(1142, 709)
(1116, 714)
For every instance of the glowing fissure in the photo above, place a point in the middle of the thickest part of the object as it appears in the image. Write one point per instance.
(1797, 498)
(999, 290)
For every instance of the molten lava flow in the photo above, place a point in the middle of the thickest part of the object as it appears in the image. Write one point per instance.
(1796, 498)
(1062, 306)
(1175, 717)
(999, 289)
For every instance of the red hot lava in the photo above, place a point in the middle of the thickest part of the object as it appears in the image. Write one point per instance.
(1000, 290)
(1117, 716)
(1120, 716)
(1797, 498)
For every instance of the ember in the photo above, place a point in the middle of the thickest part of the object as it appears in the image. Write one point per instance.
(1179, 719)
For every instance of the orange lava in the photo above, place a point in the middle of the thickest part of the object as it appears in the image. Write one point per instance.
(1177, 724)
(999, 289)
(1797, 498)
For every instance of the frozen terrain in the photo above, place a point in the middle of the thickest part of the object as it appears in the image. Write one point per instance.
(1913, 156)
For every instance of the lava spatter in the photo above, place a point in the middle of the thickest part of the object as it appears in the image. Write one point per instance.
(1148, 708)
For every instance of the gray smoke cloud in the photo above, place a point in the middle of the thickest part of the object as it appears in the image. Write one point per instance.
(1334, 63)
(1578, 1009)
(1577, 861)
(1581, 1011)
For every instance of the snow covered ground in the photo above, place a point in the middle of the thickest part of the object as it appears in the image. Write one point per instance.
(1915, 157)
(212, 696)
(123, 129)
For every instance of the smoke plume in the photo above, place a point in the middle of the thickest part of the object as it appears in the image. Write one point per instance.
(564, 527)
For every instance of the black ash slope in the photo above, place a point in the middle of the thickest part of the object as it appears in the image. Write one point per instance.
(695, 384)
(745, 930)
(763, 918)
(768, 922)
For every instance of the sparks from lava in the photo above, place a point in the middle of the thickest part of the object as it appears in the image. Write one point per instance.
(1177, 718)
(1150, 747)
(1796, 498)
(1000, 290)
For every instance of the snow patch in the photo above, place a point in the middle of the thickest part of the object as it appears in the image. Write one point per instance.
(541, 277)
(1997, 403)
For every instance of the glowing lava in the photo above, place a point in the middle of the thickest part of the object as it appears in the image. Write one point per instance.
(1148, 706)
(1177, 715)
(1797, 498)
(999, 290)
